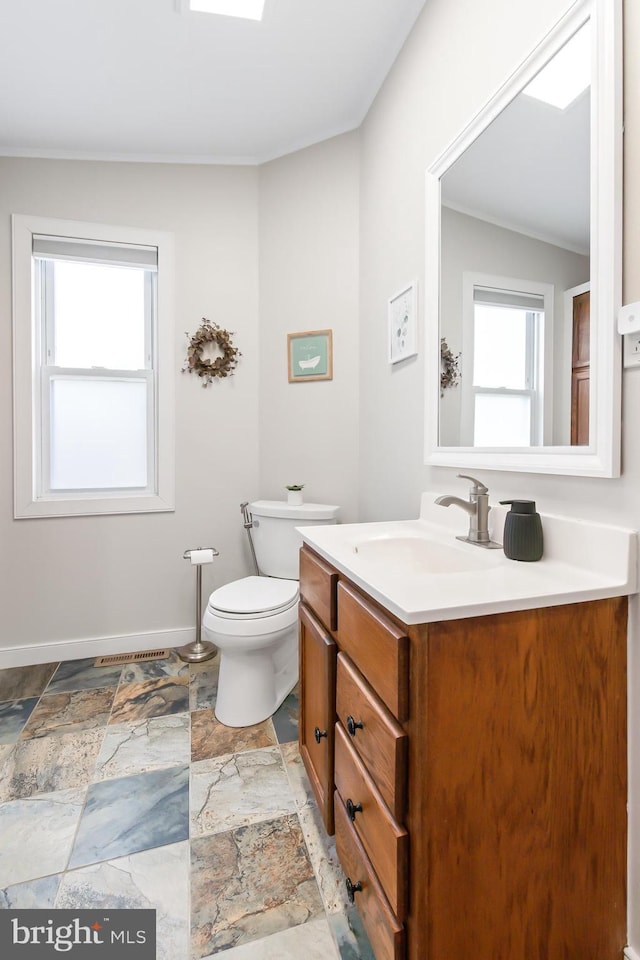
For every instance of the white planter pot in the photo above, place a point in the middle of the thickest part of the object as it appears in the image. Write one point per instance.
(294, 498)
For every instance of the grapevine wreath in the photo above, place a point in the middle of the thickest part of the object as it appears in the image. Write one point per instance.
(210, 370)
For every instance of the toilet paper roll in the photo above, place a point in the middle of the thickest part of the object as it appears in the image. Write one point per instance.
(201, 556)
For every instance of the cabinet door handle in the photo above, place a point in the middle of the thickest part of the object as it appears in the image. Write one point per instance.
(352, 809)
(353, 725)
(319, 734)
(352, 889)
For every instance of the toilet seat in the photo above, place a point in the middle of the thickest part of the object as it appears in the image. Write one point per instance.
(253, 598)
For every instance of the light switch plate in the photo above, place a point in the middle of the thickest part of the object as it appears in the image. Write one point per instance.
(631, 354)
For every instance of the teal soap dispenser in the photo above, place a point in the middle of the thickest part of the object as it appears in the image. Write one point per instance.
(522, 531)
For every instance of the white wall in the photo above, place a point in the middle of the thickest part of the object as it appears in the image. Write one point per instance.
(456, 57)
(309, 281)
(77, 578)
(122, 579)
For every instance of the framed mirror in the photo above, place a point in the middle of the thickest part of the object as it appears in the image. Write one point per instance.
(523, 272)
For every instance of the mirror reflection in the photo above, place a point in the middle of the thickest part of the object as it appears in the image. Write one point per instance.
(515, 268)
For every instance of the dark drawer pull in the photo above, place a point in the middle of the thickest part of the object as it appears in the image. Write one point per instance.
(319, 734)
(353, 725)
(352, 809)
(352, 889)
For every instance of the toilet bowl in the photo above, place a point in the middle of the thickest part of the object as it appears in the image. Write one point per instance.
(254, 621)
(254, 624)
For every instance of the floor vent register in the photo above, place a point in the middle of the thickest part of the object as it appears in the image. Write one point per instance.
(122, 658)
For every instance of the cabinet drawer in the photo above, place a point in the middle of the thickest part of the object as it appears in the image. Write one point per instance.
(318, 583)
(386, 843)
(376, 735)
(378, 648)
(385, 932)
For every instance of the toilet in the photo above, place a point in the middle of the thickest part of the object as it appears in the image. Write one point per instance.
(254, 621)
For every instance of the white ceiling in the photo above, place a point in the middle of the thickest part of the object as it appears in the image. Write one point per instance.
(530, 171)
(138, 80)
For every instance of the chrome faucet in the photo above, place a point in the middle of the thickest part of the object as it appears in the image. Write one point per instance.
(477, 506)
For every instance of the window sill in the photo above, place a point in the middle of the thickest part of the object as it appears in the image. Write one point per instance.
(88, 506)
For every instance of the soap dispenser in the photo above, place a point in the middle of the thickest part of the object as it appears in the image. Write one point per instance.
(522, 531)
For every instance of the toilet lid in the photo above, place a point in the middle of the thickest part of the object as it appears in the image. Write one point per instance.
(254, 595)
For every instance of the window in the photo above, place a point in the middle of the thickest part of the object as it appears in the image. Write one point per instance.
(93, 369)
(244, 9)
(507, 328)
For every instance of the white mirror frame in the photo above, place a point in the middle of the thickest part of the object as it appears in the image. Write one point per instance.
(602, 457)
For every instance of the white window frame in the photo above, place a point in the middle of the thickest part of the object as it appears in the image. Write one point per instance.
(541, 355)
(32, 496)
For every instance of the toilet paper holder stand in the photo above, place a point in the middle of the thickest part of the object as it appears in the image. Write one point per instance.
(200, 649)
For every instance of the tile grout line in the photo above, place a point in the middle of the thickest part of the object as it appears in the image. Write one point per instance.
(191, 700)
(68, 869)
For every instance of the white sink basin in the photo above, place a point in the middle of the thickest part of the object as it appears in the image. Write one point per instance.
(420, 572)
(410, 556)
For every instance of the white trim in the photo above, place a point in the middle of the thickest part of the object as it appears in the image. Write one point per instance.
(106, 156)
(22, 656)
(630, 954)
(25, 384)
(602, 457)
(572, 292)
(203, 159)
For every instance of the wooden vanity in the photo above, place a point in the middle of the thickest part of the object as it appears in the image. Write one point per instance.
(473, 770)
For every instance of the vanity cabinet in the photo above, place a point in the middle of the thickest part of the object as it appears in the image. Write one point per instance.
(474, 772)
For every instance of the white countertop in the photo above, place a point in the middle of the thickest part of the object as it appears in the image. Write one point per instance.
(419, 582)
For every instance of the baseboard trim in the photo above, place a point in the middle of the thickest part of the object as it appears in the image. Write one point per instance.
(630, 954)
(95, 647)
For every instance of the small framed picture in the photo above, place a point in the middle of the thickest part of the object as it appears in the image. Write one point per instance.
(310, 356)
(402, 324)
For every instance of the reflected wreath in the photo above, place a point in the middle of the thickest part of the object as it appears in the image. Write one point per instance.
(210, 370)
(449, 367)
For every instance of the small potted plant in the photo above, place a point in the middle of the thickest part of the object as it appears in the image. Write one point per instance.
(294, 494)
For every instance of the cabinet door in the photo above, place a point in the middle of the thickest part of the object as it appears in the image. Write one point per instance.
(524, 772)
(318, 710)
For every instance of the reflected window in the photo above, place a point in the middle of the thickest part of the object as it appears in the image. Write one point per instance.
(507, 383)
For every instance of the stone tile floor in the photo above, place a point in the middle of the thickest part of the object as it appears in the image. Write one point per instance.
(118, 787)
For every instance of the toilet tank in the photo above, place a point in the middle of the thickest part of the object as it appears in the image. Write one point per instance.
(275, 539)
